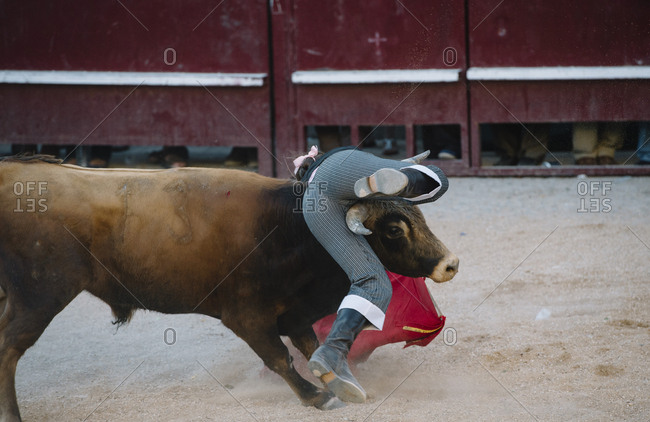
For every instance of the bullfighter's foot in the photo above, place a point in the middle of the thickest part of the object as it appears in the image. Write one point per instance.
(407, 183)
(330, 361)
(387, 181)
(345, 386)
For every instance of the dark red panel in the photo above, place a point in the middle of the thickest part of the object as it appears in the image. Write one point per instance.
(384, 103)
(382, 34)
(206, 36)
(560, 101)
(559, 33)
(378, 35)
(144, 116)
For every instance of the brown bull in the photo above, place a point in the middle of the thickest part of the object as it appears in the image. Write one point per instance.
(229, 244)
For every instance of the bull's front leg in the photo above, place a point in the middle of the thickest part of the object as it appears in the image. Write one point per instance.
(261, 334)
(306, 342)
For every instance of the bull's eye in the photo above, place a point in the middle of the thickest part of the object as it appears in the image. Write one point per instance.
(394, 232)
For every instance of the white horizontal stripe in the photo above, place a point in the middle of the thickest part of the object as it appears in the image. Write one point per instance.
(557, 73)
(374, 76)
(366, 308)
(79, 77)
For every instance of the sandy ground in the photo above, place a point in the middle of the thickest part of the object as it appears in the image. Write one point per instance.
(548, 319)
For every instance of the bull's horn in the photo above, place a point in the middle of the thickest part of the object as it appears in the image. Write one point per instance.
(355, 217)
(418, 158)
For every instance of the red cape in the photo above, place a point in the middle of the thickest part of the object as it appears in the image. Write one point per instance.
(412, 316)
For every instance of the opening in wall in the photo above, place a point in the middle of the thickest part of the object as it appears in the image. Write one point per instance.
(161, 156)
(386, 140)
(442, 140)
(327, 138)
(555, 144)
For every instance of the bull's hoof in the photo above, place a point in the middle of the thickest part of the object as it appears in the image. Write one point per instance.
(328, 401)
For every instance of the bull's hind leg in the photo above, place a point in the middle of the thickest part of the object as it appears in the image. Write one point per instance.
(299, 329)
(306, 342)
(20, 327)
(3, 308)
(8, 404)
(262, 336)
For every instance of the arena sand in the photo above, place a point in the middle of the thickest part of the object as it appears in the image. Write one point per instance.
(548, 319)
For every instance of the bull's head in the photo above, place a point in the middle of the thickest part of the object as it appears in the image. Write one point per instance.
(399, 235)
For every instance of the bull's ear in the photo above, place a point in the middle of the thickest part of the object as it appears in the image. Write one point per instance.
(355, 217)
(418, 158)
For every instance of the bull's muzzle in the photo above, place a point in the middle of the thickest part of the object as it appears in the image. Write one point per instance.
(446, 269)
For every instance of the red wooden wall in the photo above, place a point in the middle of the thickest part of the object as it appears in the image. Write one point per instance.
(324, 41)
(183, 39)
(255, 73)
(557, 33)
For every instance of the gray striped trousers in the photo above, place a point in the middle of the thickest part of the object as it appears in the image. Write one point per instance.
(327, 199)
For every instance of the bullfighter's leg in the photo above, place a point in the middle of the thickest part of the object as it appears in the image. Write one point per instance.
(370, 289)
(367, 300)
(340, 179)
(261, 334)
(353, 174)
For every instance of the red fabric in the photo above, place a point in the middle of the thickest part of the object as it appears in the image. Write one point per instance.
(411, 307)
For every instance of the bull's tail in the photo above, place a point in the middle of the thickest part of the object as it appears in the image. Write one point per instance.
(4, 319)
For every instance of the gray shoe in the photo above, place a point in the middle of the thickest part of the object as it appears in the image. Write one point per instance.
(330, 361)
(406, 183)
(387, 181)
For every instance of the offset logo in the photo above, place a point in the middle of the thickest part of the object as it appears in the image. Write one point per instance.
(311, 204)
(593, 196)
(169, 56)
(169, 336)
(449, 336)
(30, 196)
(449, 56)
